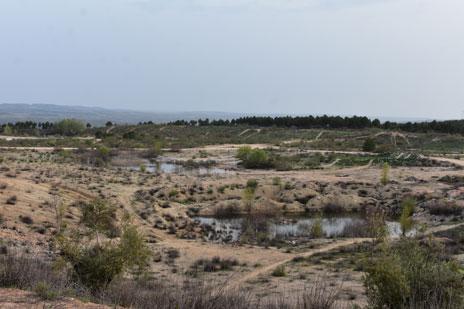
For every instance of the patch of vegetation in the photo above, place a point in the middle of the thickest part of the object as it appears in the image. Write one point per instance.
(253, 158)
(385, 176)
(11, 200)
(279, 271)
(26, 220)
(410, 276)
(369, 145)
(96, 264)
(215, 264)
(406, 221)
(69, 127)
(445, 208)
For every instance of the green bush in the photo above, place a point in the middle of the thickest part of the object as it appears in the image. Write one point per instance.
(69, 127)
(369, 145)
(279, 271)
(44, 291)
(406, 220)
(252, 184)
(411, 276)
(96, 264)
(253, 158)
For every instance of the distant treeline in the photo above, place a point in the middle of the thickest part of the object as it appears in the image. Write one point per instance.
(68, 127)
(333, 122)
(71, 127)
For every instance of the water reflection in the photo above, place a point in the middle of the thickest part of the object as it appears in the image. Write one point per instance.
(230, 229)
(174, 168)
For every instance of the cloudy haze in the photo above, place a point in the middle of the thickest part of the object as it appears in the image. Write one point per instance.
(369, 57)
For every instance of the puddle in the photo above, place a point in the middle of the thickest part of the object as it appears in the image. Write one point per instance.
(173, 168)
(230, 229)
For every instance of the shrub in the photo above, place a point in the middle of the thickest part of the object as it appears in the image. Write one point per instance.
(333, 209)
(316, 228)
(243, 152)
(227, 211)
(26, 273)
(99, 217)
(321, 295)
(369, 145)
(279, 271)
(252, 184)
(102, 155)
(69, 127)
(26, 220)
(44, 291)
(406, 221)
(276, 181)
(215, 264)
(444, 208)
(173, 253)
(385, 177)
(12, 200)
(154, 151)
(411, 276)
(253, 158)
(95, 265)
(376, 224)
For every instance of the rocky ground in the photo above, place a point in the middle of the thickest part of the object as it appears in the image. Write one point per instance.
(33, 184)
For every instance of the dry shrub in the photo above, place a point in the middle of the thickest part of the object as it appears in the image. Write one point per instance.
(27, 272)
(190, 294)
(445, 208)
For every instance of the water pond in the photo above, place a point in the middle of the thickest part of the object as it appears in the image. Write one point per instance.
(174, 168)
(230, 229)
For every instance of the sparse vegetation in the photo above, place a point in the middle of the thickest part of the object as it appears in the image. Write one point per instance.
(411, 276)
(385, 177)
(279, 271)
(72, 206)
(214, 264)
(406, 220)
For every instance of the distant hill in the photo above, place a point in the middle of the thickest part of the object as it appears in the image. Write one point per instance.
(97, 115)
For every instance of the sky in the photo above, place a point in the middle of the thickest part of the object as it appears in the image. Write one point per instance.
(395, 58)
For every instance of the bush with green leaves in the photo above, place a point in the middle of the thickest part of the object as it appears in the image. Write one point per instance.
(410, 275)
(69, 127)
(96, 263)
(253, 158)
(406, 220)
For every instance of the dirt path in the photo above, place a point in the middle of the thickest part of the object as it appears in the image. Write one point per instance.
(456, 162)
(330, 164)
(317, 137)
(235, 283)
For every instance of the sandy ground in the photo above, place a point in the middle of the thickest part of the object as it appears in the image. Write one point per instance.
(34, 184)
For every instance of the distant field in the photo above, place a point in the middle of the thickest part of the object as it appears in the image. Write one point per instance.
(173, 136)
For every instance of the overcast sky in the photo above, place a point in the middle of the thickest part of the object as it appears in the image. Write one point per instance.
(365, 57)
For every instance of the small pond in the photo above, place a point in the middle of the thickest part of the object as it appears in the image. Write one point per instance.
(230, 229)
(174, 168)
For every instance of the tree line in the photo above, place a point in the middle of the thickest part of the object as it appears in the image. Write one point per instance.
(71, 127)
(332, 122)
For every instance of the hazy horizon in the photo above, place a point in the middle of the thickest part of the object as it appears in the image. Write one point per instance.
(392, 58)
